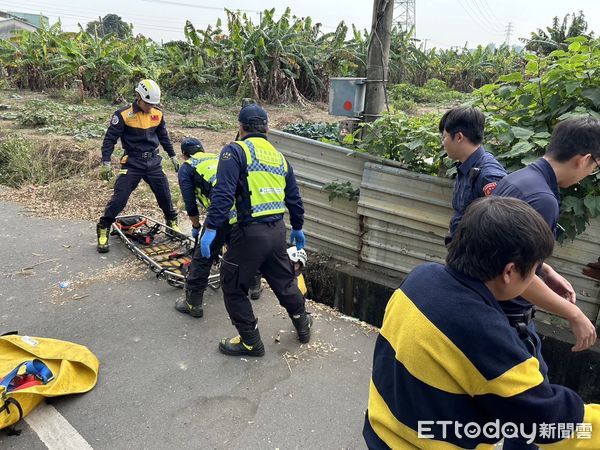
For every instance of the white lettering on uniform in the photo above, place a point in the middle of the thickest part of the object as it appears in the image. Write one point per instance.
(271, 190)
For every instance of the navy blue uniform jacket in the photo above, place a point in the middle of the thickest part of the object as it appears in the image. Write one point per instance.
(230, 185)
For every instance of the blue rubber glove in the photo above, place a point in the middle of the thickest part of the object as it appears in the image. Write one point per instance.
(207, 238)
(297, 238)
(195, 232)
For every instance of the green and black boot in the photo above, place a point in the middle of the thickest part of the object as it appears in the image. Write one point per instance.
(248, 343)
(102, 233)
(256, 288)
(172, 223)
(191, 304)
(303, 322)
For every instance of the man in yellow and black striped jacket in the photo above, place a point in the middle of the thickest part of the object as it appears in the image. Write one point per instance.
(449, 372)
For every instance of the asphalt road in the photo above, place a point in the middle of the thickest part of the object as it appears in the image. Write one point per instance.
(162, 382)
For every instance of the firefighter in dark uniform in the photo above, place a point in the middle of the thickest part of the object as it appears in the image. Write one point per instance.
(478, 171)
(257, 178)
(197, 176)
(141, 127)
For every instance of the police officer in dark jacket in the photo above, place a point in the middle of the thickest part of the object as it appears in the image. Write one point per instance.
(197, 176)
(141, 128)
(478, 171)
(257, 179)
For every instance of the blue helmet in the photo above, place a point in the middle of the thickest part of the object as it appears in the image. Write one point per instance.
(191, 145)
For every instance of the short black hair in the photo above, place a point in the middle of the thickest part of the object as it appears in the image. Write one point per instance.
(466, 120)
(572, 137)
(496, 231)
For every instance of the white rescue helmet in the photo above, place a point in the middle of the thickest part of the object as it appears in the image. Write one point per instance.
(296, 255)
(149, 91)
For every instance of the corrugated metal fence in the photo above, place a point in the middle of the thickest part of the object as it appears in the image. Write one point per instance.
(400, 218)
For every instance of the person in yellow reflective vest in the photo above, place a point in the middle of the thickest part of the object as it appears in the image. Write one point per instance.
(257, 179)
(449, 371)
(196, 178)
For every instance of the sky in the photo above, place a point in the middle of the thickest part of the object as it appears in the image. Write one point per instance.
(440, 23)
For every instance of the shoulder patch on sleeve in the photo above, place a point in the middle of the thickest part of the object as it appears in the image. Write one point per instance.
(489, 188)
(226, 155)
(114, 120)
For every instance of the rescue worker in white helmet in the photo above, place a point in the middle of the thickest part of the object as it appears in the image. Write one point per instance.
(141, 128)
(197, 176)
(257, 179)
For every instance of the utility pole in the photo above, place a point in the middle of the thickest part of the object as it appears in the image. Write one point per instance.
(508, 33)
(378, 58)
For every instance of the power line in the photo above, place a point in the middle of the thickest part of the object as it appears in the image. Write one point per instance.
(82, 18)
(491, 11)
(53, 8)
(215, 8)
(487, 30)
(474, 8)
(138, 23)
(486, 16)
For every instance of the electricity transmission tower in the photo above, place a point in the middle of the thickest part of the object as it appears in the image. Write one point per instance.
(407, 16)
(508, 33)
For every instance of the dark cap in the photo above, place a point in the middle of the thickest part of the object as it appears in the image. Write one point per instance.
(253, 114)
(191, 145)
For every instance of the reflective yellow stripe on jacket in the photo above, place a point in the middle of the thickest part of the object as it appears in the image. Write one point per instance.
(267, 169)
(205, 165)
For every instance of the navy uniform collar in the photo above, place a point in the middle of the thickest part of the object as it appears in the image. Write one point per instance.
(476, 285)
(547, 171)
(471, 160)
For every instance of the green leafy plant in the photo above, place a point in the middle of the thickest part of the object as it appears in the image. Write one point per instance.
(208, 124)
(413, 141)
(434, 91)
(341, 190)
(314, 130)
(524, 107)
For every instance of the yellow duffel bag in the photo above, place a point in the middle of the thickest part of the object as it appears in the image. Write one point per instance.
(32, 368)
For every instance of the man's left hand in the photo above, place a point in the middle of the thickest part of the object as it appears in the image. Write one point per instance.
(297, 238)
(175, 163)
(558, 283)
(195, 232)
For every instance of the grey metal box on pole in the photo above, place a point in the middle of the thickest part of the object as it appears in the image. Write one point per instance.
(347, 96)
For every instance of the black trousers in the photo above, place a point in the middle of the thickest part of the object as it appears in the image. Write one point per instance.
(199, 270)
(252, 248)
(138, 169)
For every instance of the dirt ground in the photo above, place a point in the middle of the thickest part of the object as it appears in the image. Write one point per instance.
(85, 195)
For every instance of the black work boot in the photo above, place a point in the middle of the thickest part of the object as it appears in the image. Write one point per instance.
(256, 287)
(303, 322)
(248, 343)
(102, 233)
(191, 304)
